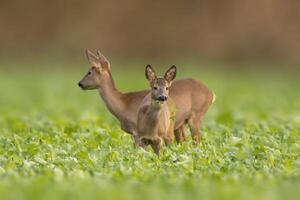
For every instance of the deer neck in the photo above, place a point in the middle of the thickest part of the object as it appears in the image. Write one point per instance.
(155, 105)
(155, 110)
(111, 96)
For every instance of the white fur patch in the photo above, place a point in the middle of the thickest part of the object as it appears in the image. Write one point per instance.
(214, 98)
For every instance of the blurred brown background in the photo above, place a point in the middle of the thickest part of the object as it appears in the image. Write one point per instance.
(229, 30)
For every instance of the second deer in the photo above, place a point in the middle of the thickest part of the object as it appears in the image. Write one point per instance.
(156, 115)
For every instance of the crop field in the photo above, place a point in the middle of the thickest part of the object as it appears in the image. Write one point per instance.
(59, 142)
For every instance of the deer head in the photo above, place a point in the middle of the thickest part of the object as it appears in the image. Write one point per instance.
(99, 66)
(160, 86)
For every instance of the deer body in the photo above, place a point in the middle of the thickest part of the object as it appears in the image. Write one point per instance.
(192, 99)
(155, 124)
(155, 121)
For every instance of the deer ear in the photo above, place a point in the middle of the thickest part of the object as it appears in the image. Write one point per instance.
(103, 61)
(150, 73)
(92, 58)
(170, 74)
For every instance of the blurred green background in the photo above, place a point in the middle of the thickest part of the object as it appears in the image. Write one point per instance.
(59, 142)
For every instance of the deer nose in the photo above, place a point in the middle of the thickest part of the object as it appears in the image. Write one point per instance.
(79, 84)
(162, 98)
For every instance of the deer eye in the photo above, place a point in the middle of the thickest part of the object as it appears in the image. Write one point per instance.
(155, 88)
(90, 72)
(167, 88)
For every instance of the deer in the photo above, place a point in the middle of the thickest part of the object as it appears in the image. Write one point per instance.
(155, 120)
(191, 97)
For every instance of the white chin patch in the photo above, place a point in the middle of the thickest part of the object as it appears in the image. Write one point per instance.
(159, 102)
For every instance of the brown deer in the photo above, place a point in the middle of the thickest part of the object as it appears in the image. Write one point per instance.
(192, 99)
(156, 115)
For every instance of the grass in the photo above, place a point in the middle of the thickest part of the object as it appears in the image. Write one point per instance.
(58, 142)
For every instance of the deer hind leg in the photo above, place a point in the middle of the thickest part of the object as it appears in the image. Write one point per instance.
(194, 123)
(169, 135)
(179, 134)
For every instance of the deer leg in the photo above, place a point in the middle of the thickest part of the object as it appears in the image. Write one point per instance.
(156, 145)
(135, 141)
(179, 134)
(169, 135)
(168, 139)
(143, 142)
(182, 133)
(194, 124)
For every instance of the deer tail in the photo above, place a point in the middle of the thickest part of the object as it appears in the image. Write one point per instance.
(213, 98)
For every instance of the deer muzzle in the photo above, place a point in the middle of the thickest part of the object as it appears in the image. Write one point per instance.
(162, 98)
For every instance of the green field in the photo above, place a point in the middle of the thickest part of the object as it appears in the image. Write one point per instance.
(58, 142)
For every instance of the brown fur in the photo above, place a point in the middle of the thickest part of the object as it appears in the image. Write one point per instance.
(155, 121)
(155, 125)
(191, 97)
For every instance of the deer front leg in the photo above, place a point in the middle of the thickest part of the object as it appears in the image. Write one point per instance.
(135, 140)
(143, 144)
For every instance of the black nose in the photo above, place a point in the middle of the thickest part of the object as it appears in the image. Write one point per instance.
(162, 98)
(79, 84)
